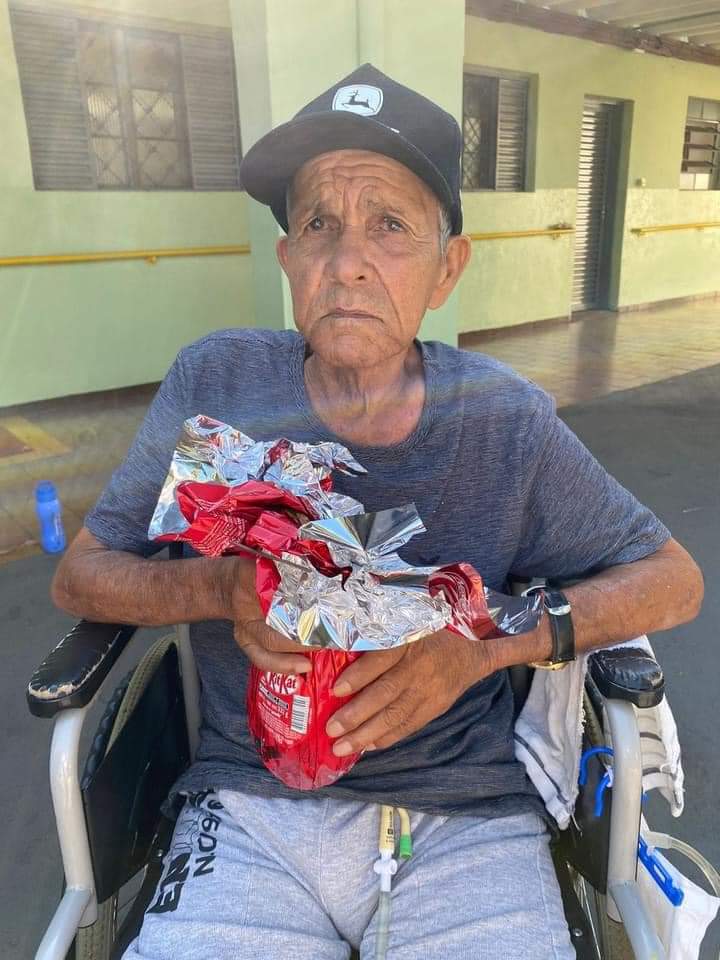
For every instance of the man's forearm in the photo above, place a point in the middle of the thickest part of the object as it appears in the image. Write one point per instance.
(621, 603)
(112, 586)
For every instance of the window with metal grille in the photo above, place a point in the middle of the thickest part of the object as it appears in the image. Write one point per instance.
(700, 168)
(115, 106)
(495, 118)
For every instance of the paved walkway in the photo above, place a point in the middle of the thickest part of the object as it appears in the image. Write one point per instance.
(602, 352)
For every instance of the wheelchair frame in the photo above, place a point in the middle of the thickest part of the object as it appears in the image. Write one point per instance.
(51, 693)
(78, 906)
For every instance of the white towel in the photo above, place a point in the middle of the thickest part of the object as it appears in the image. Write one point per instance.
(548, 740)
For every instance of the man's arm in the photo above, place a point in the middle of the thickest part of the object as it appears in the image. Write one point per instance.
(623, 602)
(399, 691)
(114, 586)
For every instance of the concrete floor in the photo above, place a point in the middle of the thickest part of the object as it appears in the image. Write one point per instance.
(661, 439)
(602, 352)
(93, 433)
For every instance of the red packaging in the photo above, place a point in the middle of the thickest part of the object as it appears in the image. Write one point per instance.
(287, 717)
(286, 714)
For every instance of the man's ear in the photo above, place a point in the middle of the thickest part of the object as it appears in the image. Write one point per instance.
(456, 259)
(281, 252)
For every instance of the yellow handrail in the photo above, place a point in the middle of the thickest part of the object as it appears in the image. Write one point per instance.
(666, 227)
(151, 256)
(512, 234)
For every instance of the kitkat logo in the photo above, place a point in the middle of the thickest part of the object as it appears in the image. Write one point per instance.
(281, 683)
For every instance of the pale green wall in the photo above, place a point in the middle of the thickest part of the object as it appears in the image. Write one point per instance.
(515, 281)
(667, 265)
(401, 38)
(70, 329)
(283, 59)
(77, 328)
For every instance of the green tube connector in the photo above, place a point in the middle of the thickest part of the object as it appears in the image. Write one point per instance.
(405, 848)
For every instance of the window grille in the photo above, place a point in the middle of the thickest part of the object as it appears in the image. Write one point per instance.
(700, 168)
(111, 106)
(495, 117)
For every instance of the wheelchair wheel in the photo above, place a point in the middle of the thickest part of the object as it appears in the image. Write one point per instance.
(611, 941)
(97, 941)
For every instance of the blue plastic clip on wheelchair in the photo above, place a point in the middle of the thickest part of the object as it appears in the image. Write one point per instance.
(113, 835)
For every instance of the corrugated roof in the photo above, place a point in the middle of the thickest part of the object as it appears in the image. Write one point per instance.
(695, 21)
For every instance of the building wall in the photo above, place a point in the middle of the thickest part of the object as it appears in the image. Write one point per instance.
(77, 328)
(520, 280)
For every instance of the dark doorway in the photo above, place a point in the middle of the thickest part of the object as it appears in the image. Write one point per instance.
(597, 202)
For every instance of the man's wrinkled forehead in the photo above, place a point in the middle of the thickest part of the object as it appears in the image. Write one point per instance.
(372, 177)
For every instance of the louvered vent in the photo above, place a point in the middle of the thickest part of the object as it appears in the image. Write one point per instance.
(209, 72)
(511, 134)
(46, 50)
(495, 118)
(114, 107)
(591, 212)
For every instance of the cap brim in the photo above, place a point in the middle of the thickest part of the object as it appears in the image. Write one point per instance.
(271, 163)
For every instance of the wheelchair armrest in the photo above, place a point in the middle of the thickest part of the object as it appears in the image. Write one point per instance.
(628, 673)
(72, 673)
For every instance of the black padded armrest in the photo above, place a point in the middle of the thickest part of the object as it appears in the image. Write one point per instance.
(628, 673)
(72, 673)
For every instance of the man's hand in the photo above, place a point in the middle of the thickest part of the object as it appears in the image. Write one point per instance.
(112, 586)
(399, 691)
(264, 647)
(269, 650)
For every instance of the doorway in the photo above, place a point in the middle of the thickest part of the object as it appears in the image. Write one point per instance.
(598, 203)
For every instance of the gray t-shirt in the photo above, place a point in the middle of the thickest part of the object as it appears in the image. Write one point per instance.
(499, 482)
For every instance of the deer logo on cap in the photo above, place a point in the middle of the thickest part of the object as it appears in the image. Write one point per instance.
(361, 99)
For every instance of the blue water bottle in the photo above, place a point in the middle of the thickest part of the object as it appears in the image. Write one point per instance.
(47, 506)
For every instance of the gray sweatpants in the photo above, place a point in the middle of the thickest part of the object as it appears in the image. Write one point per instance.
(248, 877)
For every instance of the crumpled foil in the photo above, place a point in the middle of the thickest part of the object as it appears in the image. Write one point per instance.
(210, 451)
(382, 603)
(367, 598)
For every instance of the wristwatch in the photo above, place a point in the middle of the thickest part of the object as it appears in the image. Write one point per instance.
(558, 609)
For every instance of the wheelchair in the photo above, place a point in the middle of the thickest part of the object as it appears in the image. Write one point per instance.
(113, 834)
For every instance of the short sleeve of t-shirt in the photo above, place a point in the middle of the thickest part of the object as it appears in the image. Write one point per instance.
(577, 518)
(121, 516)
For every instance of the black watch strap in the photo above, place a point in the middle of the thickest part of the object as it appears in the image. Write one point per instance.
(558, 610)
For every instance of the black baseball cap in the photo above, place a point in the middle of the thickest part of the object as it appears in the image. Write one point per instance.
(366, 110)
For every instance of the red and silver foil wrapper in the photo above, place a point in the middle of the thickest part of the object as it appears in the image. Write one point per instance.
(287, 717)
(337, 584)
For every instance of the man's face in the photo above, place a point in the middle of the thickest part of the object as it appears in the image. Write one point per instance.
(362, 256)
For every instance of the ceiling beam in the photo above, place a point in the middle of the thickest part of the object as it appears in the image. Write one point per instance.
(549, 21)
(628, 12)
(565, 6)
(633, 9)
(688, 25)
(711, 37)
(692, 35)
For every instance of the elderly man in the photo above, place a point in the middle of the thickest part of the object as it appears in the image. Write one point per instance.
(365, 181)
